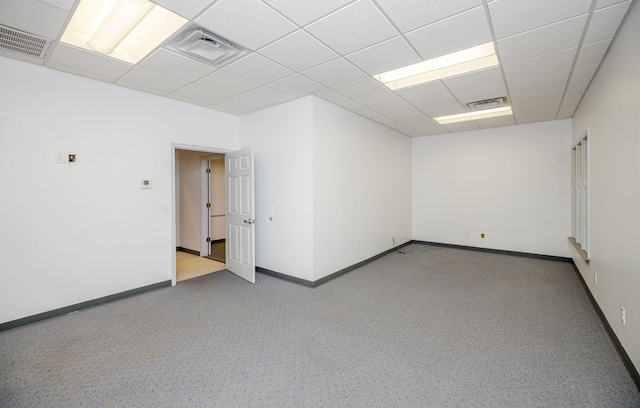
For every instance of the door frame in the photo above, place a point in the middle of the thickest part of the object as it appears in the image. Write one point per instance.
(174, 195)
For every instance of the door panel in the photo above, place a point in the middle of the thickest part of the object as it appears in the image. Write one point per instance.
(240, 214)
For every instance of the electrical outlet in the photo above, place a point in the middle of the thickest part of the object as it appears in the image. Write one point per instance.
(358, 247)
(595, 276)
(623, 315)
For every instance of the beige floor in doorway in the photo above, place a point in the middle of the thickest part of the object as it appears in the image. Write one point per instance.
(191, 266)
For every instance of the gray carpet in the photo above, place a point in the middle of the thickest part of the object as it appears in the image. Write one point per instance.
(432, 328)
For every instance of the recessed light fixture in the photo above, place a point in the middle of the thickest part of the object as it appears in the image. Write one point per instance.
(461, 62)
(483, 114)
(124, 29)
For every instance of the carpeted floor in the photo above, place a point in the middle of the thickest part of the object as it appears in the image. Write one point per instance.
(430, 328)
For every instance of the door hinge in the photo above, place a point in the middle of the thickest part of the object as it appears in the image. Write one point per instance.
(208, 239)
(208, 171)
(208, 205)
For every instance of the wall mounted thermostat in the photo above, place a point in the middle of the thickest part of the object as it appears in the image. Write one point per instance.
(145, 183)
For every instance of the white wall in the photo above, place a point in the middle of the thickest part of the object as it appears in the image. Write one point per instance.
(282, 140)
(75, 232)
(511, 183)
(610, 110)
(362, 188)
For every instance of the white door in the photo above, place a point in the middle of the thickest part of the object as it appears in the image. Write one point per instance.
(240, 214)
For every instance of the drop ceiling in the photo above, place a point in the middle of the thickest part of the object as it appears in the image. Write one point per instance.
(548, 50)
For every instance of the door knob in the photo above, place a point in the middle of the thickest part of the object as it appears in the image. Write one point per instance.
(250, 221)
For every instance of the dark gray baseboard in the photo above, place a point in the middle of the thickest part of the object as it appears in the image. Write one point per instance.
(633, 371)
(79, 306)
(316, 283)
(497, 251)
(189, 251)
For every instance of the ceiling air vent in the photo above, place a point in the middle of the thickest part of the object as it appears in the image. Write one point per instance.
(23, 43)
(487, 104)
(207, 47)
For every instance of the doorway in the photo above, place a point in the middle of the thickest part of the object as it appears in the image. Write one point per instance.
(239, 208)
(200, 211)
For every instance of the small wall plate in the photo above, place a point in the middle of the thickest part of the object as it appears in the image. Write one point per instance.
(145, 183)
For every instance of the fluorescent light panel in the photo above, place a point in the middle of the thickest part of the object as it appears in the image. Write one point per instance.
(483, 114)
(124, 29)
(461, 62)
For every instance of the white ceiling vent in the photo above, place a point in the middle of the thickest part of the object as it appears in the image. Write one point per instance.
(23, 43)
(487, 104)
(207, 47)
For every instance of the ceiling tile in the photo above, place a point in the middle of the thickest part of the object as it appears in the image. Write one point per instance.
(536, 112)
(453, 34)
(400, 110)
(75, 71)
(383, 57)
(476, 79)
(352, 28)
(238, 104)
(247, 22)
(256, 68)
(584, 73)
(175, 65)
(201, 93)
(33, 16)
(304, 12)
(142, 88)
(225, 82)
(423, 91)
(428, 105)
(568, 107)
(298, 51)
(606, 3)
(296, 86)
(444, 110)
(61, 4)
(511, 17)
(361, 88)
(462, 126)
(555, 61)
(428, 127)
(87, 61)
(576, 89)
(481, 94)
(333, 73)
(353, 106)
(604, 22)
(412, 117)
(265, 96)
(592, 53)
(529, 84)
(411, 14)
(545, 40)
(188, 100)
(188, 9)
(381, 100)
(331, 96)
(537, 95)
(499, 121)
(152, 80)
